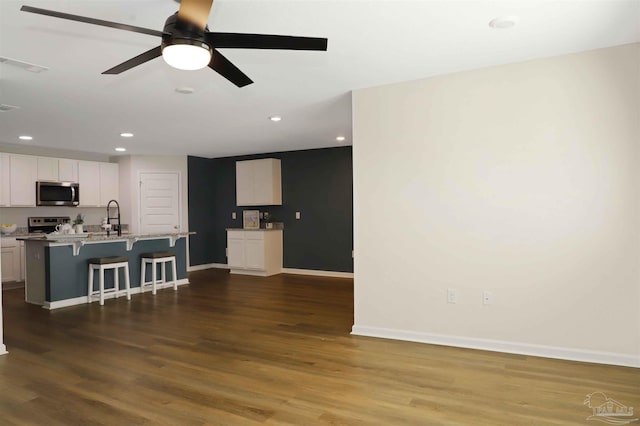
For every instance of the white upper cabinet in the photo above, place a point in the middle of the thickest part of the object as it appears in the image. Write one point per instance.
(57, 169)
(98, 181)
(67, 170)
(47, 168)
(109, 182)
(258, 182)
(89, 181)
(5, 184)
(24, 173)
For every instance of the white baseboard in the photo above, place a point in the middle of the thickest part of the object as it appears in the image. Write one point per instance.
(317, 273)
(294, 271)
(207, 266)
(83, 299)
(67, 302)
(3, 350)
(501, 346)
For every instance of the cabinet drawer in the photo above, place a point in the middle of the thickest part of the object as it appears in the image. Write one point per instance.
(8, 242)
(254, 235)
(235, 235)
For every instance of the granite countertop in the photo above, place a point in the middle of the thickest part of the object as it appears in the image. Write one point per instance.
(22, 231)
(89, 237)
(253, 229)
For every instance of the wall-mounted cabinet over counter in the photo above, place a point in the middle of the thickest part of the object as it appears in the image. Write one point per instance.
(23, 176)
(258, 182)
(98, 181)
(5, 184)
(57, 169)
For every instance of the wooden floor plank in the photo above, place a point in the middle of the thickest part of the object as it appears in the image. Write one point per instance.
(236, 350)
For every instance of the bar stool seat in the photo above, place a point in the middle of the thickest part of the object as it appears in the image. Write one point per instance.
(102, 264)
(161, 258)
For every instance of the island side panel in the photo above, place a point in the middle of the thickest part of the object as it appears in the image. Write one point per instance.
(67, 274)
(35, 282)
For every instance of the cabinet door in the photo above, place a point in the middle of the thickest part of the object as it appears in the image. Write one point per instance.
(89, 181)
(244, 183)
(267, 182)
(5, 184)
(67, 170)
(109, 182)
(10, 252)
(47, 168)
(254, 251)
(24, 173)
(235, 253)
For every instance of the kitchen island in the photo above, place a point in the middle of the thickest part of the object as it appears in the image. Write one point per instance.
(57, 266)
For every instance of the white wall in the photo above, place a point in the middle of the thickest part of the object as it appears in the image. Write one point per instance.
(520, 179)
(130, 168)
(3, 348)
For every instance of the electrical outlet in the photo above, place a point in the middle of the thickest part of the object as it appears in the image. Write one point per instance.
(452, 295)
(487, 298)
(297, 215)
(233, 215)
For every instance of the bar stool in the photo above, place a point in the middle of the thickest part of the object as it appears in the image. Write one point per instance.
(158, 258)
(102, 264)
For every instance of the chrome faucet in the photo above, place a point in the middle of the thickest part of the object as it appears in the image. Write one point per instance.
(119, 228)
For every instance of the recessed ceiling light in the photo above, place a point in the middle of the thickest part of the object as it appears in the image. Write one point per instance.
(25, 138)
(120, 149)
(126, 135)
(184, 90)
(340, 138)
(275, 118)
(504, 22)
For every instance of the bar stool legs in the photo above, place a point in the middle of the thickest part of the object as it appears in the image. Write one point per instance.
(154, 259)
(102, 264)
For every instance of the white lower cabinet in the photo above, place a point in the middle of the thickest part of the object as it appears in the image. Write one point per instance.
(255, 252)
(11, 260)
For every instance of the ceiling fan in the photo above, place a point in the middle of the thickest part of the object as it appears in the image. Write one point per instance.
(188, 44)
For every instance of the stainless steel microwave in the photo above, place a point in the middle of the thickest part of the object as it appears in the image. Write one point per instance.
(57, 193)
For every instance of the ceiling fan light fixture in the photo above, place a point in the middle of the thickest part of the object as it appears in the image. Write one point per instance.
(186, 54)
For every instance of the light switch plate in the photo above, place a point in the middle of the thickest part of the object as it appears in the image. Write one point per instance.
(297, 215)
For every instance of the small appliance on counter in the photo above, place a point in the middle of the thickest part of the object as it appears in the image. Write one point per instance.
(45, 225)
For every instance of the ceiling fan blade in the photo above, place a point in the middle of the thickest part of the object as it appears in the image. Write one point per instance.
(264, 41)
(91, 21)
(225, 68)
(195, 11)
(134, 62)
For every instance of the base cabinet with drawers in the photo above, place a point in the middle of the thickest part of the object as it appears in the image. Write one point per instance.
(254, 252)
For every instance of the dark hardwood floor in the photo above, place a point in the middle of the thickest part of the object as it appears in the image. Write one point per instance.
(236, 350)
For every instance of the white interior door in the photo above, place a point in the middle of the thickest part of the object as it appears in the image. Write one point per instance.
(159, 202)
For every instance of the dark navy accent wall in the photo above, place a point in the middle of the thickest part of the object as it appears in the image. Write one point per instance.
(202, 198)
(318, 183)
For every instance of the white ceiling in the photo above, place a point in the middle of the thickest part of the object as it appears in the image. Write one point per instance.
(72, 106)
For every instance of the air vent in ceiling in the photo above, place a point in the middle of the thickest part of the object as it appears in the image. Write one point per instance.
(24, 65)
(5, 107)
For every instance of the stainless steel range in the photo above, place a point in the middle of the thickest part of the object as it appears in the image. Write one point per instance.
(45, 225)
